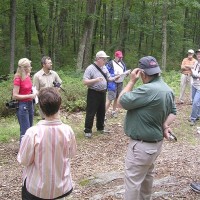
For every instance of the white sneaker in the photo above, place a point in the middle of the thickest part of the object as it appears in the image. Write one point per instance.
(88, 135)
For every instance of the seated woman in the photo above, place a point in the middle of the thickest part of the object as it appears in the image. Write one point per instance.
(45, 152)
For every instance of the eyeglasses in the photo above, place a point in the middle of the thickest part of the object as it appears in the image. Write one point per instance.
(104, 59)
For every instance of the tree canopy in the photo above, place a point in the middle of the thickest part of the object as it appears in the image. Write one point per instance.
(72, 31)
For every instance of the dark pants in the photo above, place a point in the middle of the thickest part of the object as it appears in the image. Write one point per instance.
(96, 101)
(28, 196)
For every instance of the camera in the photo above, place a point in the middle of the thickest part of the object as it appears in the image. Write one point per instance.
(172, 137)
(56, 84)
(13, 104)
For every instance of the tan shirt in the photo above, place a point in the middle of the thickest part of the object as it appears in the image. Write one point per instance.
(42, 80)
(186, 65)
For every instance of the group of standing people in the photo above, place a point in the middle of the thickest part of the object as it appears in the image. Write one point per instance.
(46, 148)
(190, 69)
(145, 127)
(23, 89)
(191, 76)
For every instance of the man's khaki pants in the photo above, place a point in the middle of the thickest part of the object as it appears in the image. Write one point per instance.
(185, 80)
(139, 165)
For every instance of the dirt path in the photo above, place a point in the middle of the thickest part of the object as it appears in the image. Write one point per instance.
(176, 167)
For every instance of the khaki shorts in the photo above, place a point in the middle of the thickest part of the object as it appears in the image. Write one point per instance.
(112, 95)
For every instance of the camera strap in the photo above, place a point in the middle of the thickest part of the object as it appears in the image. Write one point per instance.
(101, 71)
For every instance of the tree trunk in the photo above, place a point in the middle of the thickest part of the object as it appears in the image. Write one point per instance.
(110, 22)
(38, 29)
(85, 44)
(141, 33)
(27, 29)
(12, 33)
(164, 35)
(98, 9)
(124, 25)
(104, 27)
(54, 46)
(50, 29)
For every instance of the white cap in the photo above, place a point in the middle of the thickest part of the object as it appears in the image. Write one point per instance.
(191, 51)
(101, 54)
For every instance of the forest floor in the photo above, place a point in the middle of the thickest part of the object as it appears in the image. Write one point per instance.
(98, 167)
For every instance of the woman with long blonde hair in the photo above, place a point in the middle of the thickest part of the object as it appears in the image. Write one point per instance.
(22, 91)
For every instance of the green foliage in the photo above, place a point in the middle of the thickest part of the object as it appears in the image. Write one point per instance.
(172, 78)
(84, 182)
(74, 97)
(5, 94)
(9, 128)
(73, 100)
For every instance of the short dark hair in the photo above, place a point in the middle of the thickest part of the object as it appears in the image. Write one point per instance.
(49, 100)
(43, 60)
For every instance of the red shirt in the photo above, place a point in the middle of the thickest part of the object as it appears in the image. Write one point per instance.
(25, 86)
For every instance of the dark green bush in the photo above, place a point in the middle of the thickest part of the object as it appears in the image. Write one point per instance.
(73, 99)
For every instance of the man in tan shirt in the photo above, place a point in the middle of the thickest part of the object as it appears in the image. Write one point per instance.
(46, 77)
(186, 78)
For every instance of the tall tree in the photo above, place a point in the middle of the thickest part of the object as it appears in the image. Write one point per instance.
(124, 24)
(38, 29)
(27, 28)
(94, 38)
(12, 33)
(164, 35)
(50, 31)
(84, 47)
(141, 31)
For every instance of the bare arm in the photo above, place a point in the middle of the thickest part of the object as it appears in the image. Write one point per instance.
(134, 76)
(89, 82)
(166, 125)
(18, 96)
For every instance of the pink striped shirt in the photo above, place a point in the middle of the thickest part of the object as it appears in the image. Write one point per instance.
(45, 152)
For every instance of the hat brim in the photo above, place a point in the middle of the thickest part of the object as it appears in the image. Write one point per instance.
(152, 71)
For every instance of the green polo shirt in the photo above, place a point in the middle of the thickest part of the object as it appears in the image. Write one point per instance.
(147, 107)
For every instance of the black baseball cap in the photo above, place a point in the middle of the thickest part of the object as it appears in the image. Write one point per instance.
(150, 65)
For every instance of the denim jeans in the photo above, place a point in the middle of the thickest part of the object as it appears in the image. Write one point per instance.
(196, 104)
(25, 114)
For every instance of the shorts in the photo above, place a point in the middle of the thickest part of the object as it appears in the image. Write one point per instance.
(112, 95)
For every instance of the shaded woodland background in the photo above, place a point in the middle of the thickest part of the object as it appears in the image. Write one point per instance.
(72, 31)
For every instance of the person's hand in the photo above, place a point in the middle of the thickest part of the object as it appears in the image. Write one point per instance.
(32, 96)
(117, 77)
(135, 74)
(166, 132)
(98, 79)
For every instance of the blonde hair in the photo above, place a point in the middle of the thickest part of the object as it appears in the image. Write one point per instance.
(23, 64)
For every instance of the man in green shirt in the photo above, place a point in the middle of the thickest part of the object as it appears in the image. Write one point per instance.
(150, 110)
